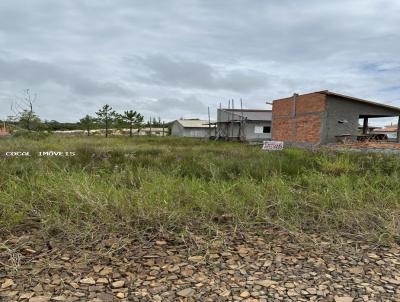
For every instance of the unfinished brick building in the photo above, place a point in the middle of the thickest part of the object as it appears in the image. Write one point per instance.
(322, 117)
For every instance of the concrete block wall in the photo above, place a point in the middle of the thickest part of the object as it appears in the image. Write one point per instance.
(343, 116)
(299, 123)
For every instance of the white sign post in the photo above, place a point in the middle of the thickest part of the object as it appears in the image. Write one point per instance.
(272, 145)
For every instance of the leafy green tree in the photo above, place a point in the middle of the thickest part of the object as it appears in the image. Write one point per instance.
(106, 115)
(133, 119)
(87, 123)
(52, 125)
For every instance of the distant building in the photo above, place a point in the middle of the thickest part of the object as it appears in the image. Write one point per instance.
(72, 132)
(153, 131)
(118, 132)
(3, 130)
(243, 124)
(324, 117)
(192, 128)
(390, 131)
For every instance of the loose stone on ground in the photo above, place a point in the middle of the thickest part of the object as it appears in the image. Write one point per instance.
(242, 267)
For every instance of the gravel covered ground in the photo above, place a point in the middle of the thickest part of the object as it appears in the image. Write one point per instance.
(236, 267)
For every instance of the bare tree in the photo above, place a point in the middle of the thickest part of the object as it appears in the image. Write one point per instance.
(22, 109)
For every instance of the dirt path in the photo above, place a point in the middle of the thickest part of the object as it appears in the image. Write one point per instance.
(240, 268)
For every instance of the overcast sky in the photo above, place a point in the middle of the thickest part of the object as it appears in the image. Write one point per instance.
(174, 58)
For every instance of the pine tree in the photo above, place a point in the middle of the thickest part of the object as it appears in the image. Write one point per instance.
(106, 116)
(132, 118)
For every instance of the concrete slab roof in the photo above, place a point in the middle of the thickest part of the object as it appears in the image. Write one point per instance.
(350, 98)
(193, 123)
(252, 114)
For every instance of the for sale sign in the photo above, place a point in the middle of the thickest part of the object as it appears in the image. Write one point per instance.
(272, 145)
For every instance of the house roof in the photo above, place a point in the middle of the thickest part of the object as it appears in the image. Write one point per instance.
(193, 123)
(387, 129)
(252, 114)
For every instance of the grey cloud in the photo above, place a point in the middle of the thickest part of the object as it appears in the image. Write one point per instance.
(183, 73)
(32, 72)
(73, 52)
(188, 105)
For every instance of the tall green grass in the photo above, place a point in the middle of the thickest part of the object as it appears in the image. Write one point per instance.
(132, 185)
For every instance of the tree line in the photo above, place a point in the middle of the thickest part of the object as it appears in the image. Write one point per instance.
(25, 118)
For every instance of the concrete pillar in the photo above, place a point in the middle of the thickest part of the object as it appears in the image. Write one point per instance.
(293, 120)
(365, 125)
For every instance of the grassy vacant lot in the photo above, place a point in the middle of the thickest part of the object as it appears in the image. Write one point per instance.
(136, 185)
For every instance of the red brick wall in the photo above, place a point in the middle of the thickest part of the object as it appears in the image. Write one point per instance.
(308, 129)
(313, 102)
(282, 129)
(305, 127)
(282, 107)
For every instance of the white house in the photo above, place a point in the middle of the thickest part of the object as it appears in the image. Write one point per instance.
(192, 128)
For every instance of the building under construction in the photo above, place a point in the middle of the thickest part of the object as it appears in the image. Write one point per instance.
(326, 117)
(243, 124)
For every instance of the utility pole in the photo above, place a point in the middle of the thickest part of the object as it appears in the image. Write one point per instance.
(241, 131)
(150, 126)
(233, 118)
(228, 124)
(209, 123)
